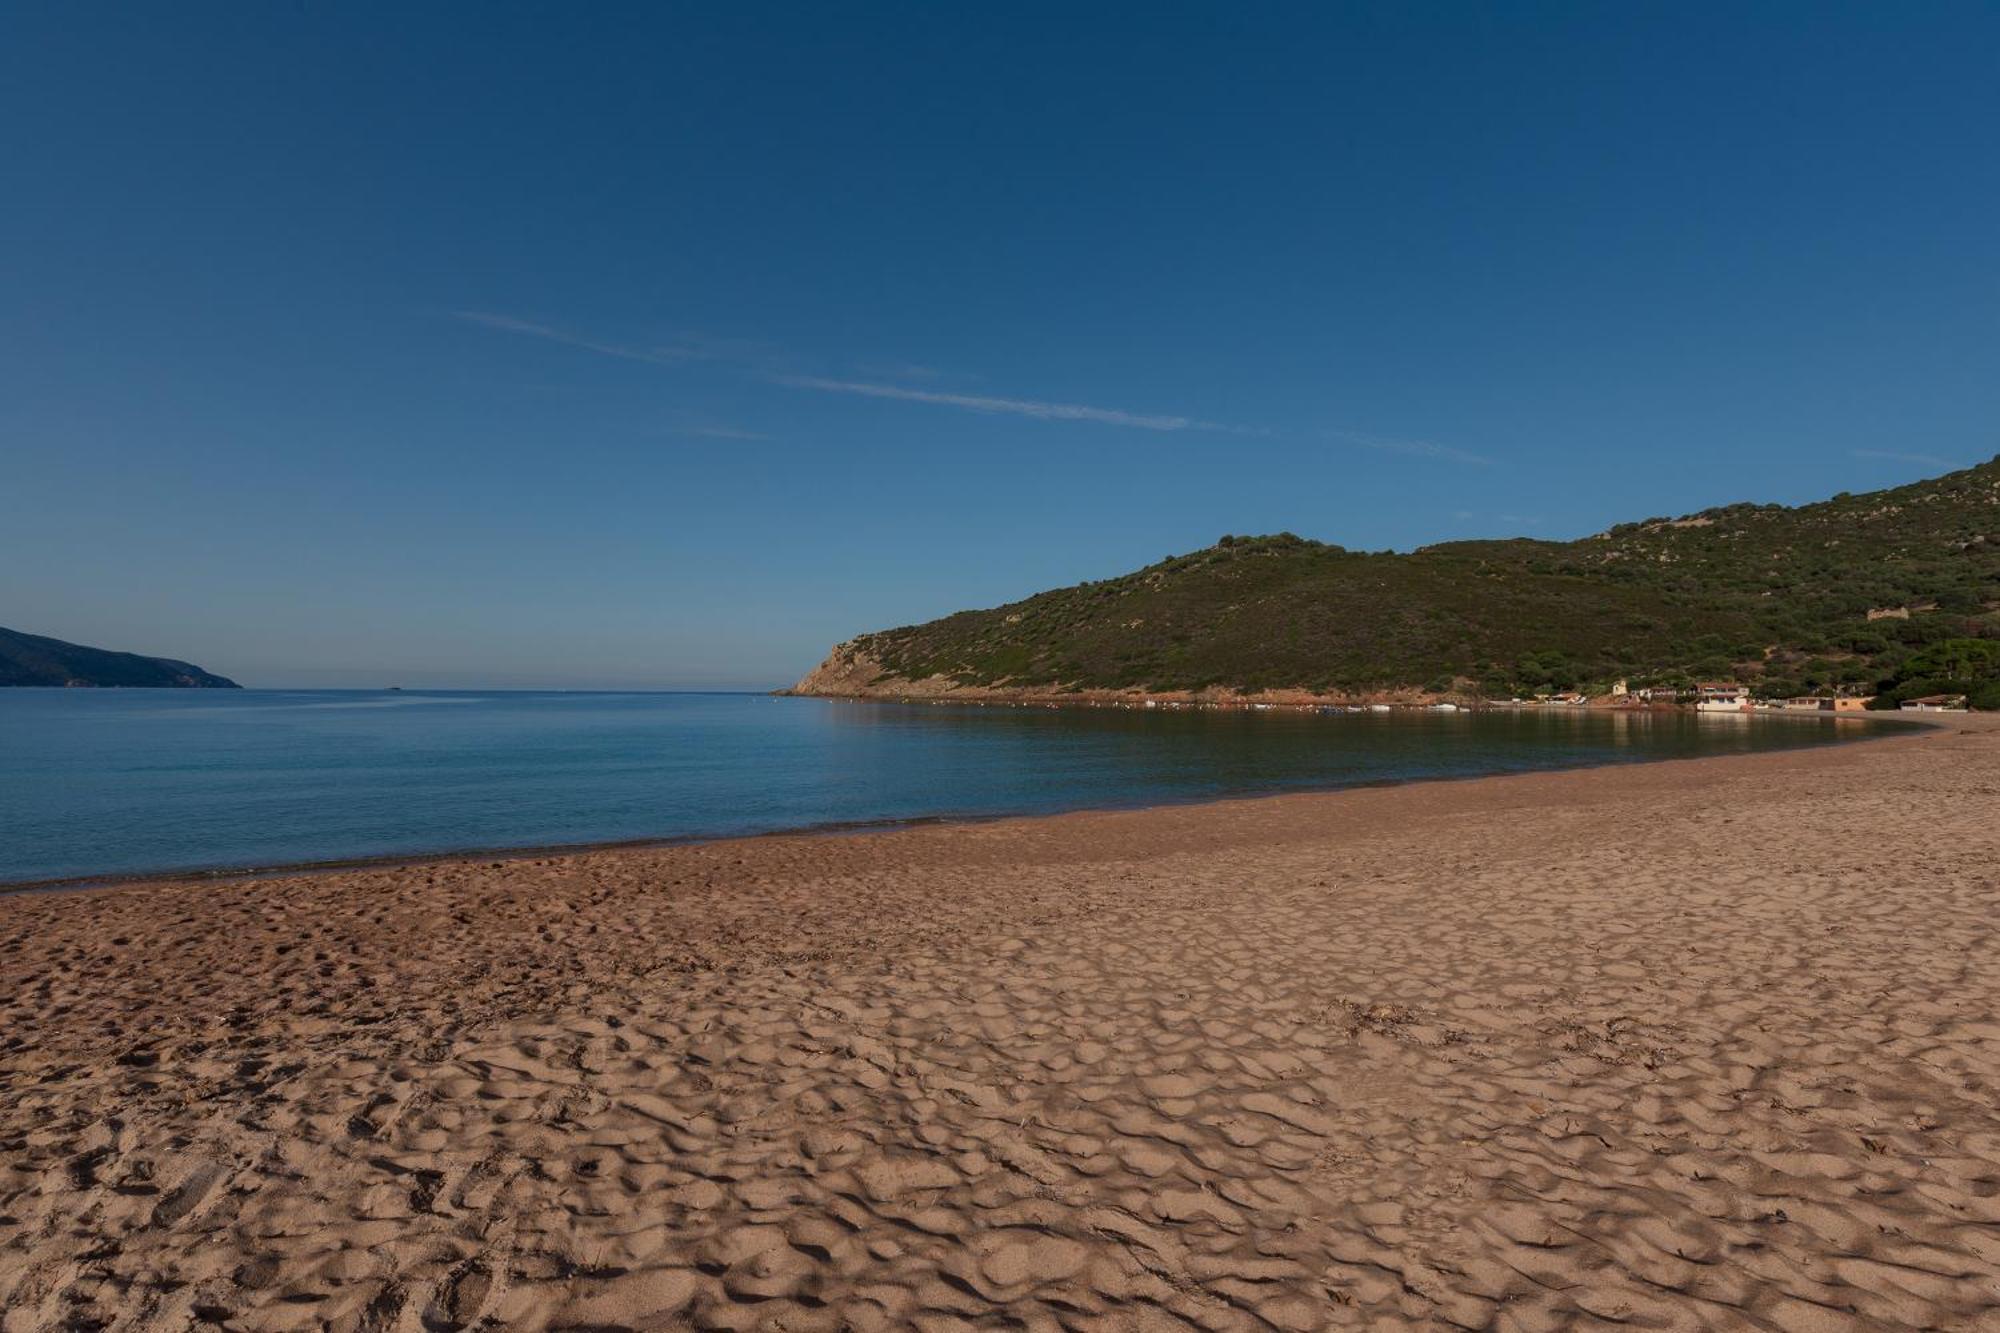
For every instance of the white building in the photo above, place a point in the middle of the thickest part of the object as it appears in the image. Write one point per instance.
(1722, 697)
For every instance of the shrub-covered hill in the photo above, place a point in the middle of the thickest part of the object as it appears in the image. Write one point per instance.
(1830, 595)
(30, 659)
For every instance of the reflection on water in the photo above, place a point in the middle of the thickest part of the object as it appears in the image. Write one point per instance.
(110, 782)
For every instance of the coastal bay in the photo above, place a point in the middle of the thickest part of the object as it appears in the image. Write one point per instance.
(817, 669)
(209, 781)
(1692, 1043)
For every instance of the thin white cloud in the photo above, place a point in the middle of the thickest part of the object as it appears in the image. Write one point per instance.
(1891, 456)
(708, 432)
(708, 347)
(1444, 453)
(758, 358)
(684, 348)
(664, 356)
(1026, 407)
(901, 370)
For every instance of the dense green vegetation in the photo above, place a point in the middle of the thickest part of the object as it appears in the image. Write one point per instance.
(1970, 667)
(1843, 595)
(30, 659)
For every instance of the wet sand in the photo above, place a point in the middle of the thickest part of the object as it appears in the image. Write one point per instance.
(1711, 1044)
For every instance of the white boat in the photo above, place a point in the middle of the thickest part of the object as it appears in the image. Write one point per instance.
(1444, 708)
(1378, 708)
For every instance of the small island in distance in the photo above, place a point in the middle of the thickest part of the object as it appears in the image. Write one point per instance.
(1852, 596)
(31, 659)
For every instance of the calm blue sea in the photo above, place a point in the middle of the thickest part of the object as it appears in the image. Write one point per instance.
(111, 782)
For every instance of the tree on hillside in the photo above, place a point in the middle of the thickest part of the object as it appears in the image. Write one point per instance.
(1970, 667)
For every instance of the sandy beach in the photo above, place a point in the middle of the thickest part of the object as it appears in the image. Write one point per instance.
(1696, 1044)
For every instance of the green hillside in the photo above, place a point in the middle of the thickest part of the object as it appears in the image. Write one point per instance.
(1781, 596)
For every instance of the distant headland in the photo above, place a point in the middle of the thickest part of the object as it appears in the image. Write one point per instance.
(31, 659)
(1870, 595)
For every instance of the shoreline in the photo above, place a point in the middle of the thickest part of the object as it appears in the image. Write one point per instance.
(1683, 1043)
(1229, 698)
(1897, 724)
(849, 672)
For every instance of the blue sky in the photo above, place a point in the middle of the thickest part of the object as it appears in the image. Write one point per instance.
(660, 345)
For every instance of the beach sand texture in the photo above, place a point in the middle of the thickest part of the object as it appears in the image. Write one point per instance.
(1702, 1044)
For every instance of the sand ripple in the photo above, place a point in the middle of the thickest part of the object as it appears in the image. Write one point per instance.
(1708, 1045)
